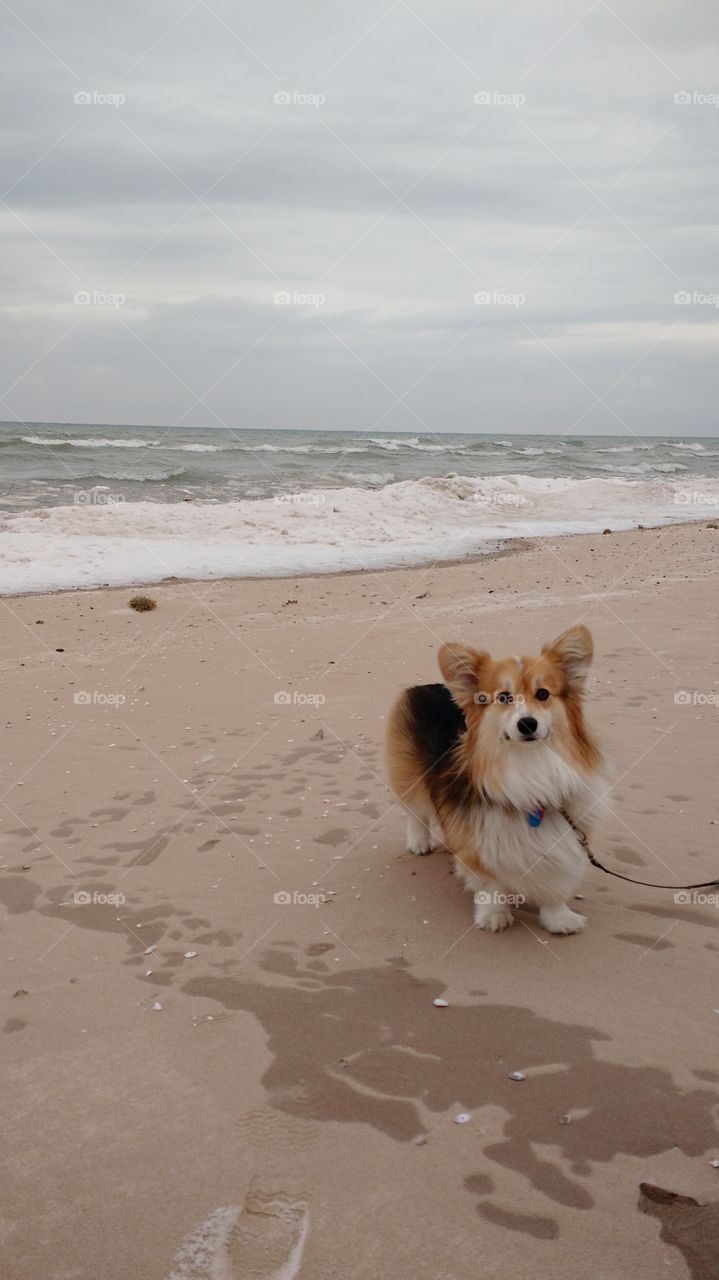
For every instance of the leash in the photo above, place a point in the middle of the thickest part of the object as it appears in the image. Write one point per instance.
(649, 884)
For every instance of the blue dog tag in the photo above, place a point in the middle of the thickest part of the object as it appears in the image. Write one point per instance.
(535, 817)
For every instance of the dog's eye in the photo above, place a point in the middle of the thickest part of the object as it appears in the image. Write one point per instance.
(505, 696)
(541, 695)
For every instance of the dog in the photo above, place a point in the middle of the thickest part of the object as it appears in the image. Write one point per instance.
(490, 762)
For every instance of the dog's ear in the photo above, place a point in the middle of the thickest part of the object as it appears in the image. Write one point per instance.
(573, 650)
(462, 669)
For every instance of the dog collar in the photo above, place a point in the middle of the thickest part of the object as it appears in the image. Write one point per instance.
(535, 817)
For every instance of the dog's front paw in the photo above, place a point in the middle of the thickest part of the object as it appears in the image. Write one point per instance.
(419, 844)
(420, 837)
(561, 920)
(492, 918)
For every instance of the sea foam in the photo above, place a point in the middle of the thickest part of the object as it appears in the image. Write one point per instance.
(324, 530)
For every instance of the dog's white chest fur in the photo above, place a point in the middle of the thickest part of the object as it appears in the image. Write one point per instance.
(534, 774)
(541, 864)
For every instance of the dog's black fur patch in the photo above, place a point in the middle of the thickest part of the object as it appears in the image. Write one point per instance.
(436, 724)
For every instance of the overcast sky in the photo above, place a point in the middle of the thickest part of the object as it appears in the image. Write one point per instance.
(576, 195)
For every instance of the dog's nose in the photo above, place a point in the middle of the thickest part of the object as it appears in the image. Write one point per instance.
(527, 726)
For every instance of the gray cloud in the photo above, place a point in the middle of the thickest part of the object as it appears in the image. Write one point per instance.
(397, 198)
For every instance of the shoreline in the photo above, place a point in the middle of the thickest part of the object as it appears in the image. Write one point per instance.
(512, 547)
(513, 544)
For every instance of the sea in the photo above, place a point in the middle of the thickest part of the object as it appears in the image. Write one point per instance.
(85, 506)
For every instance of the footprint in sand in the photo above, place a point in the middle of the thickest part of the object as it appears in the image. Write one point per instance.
(264, 1238)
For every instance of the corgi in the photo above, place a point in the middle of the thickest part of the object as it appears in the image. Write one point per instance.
(490, 762)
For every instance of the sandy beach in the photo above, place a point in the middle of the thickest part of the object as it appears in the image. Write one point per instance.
(220, 963)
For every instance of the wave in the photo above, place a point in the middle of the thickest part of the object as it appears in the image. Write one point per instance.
(477, 448)
(392, 446)
(98, 442)
(300, 448)
(643, 468)
(628, 448)
(154, 476)
(96, 479)
(413, 442)
(367, 477)
(195, 448)
(91, 442)
(325, 530)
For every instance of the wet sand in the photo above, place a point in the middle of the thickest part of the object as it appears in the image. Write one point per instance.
(282, 1101)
